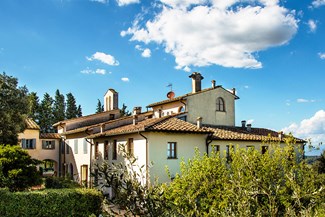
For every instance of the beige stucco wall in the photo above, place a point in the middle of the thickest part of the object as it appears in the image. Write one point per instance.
(168, 109)
(186, 144)
(204, 105)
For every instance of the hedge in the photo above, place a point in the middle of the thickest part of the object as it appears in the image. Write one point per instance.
(51, 202)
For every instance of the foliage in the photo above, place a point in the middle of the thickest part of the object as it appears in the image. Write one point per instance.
(131, 191)
(13, 109)
(34, 106)
(319, 165)
(58, 107)
(252, 184)
(100, 107)
(124, 111)
(52, 202)
(46, 117)
(72, 111)
(60, 182)
(17, 169)
(79, 111)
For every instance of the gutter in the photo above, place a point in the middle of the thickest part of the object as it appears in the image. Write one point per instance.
(90, 155)
(208, 141)
(147, 158)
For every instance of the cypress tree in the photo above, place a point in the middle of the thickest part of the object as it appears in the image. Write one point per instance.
(34, 107)
(46, 116)
(100, 107)
(72, 110)
(59, 107)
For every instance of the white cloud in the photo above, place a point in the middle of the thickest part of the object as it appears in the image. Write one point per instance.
(250, 121)
(146, 53)
(216, 32)
(312, 25)
(305, 100)
(246, 87)
(321, 55)
(125, 79)
(126, 2)
(318, 3)
(100, 1)
(97, 71)
(312, 128)
(104, 58)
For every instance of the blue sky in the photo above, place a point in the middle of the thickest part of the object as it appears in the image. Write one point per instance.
(272, 52)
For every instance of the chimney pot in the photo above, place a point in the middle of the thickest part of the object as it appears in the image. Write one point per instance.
(137, 110)
(102, 128)
(199, 122)
(135, 119)
(243, 124)
(249, 127)
(233, 91)
(213, 82)
(196, 81)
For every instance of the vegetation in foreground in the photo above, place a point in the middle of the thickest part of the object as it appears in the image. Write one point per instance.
(248, 183)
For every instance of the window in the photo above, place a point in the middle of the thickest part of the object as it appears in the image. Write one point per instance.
(96, 150)
(220, 105)
(28, 143)
(111, 116)
(67, 147)
(114, 152)
(215, 148)
(171, 150)
(76, 146)
(85, 148)
(181, 109)
(130, 146)
(264, 149)
(48, 144)
(250, 147)
(106, 150)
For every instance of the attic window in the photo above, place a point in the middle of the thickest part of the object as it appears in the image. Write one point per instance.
(220, 105)
(181, 109)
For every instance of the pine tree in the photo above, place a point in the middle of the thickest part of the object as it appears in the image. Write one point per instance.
(125, 112)
(72, 110)
(79, 111)
(13, 109)
(46, 114)
(100, 107)
(34, 107)
(59, 107)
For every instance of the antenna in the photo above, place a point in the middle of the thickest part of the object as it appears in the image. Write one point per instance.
(171, 86)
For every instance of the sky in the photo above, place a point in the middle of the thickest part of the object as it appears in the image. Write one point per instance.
(271, 51)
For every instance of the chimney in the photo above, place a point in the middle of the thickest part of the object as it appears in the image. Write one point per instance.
(135, 119)
(102, 128)
(199, 122)
(233, 90)
(243, 124)
(196, 81)
(213, 82)
(280, 135)
(249, 127)
(137, 110)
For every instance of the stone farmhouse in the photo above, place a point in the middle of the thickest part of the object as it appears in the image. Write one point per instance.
(167, 132)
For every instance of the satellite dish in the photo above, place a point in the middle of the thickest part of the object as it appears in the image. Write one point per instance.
(170, 95)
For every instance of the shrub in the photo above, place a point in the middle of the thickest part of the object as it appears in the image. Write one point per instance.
(58, 182)
(53, 202)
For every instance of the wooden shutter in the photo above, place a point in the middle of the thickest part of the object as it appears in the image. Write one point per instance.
(34, 143)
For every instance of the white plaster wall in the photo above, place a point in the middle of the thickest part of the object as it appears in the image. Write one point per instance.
(170, 108)
(204, 105)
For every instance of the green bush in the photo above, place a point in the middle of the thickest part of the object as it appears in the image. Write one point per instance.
(53, 202)
(58, 182)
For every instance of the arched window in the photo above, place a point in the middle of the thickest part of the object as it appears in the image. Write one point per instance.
(181, 109)
(220, 105)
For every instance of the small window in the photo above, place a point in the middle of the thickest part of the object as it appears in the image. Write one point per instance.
(28, 143)
(76, 146)
(96, 150)
(171, 150)
(130, 146)
(85, 146)
(50, 144)
(250, 147)
(114, 152)
(264, 149)
(181, 109)
(106, 150)
(215, 148)
(111, 116)
(220, 105)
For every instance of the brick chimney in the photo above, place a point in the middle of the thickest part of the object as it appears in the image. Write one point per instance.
(196, 81)
(137, 110)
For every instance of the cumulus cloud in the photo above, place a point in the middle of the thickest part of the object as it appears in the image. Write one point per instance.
(318, 3)
(104, 58)
(321, 55)
(126, 2)
(124, 79)
(312, 25)
(146, 52)
(305, 100)
(97, 71)
(312, 128)
(216, 32)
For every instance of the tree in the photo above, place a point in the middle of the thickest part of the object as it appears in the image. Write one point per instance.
(58, 107)
(320, 163)
(14, 108)
(100, 107)
(17, 169)
(125, 112)
(79, 111)
(46, 114)
(72, 110)
(34, 106)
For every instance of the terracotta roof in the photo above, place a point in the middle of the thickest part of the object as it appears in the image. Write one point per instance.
(30, 124)
(167, 124)
(50, 136)
(186, 95)
(238, 133)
